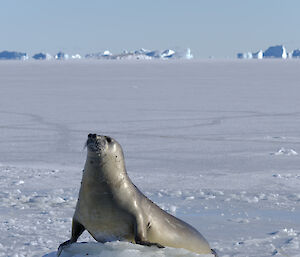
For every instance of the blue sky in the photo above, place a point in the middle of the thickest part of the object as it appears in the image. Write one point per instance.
(210, 28)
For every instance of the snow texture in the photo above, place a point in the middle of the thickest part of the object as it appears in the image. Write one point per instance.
(212, 142)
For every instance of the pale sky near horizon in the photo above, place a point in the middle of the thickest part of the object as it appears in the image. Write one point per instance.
(216, 28)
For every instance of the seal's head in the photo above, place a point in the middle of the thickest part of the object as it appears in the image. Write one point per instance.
(106, 153)
(101, 146)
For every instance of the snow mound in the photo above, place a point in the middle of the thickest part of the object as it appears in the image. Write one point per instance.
(283, 151)
(122, 249)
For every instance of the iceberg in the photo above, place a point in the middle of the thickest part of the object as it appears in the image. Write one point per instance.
(258, 55)
(76, 56)
(42, 56)
(101, 55)
(296, 53)
(188, 54)
(142, 51)
(167, 53)
(143, 54)
(61, 56)
(278, 51)
(247, 55)
(6, 55)
(106, 53)
(154, 54)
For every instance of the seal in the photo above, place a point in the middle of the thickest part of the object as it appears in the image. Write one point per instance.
(110, 207)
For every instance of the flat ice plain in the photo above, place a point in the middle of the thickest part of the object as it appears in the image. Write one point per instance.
(214, 142)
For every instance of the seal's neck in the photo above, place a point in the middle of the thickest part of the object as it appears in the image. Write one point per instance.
(107, 168)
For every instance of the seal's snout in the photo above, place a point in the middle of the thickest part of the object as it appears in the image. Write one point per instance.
(93, 143)
(93, 136)
(99, 143)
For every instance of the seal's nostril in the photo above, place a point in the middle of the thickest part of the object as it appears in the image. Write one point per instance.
(94, 136)
(108, 139)
(90, 135)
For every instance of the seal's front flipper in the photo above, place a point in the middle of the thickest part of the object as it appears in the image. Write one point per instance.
(77, 230)
(62, 246)
(214, 252)
(149, 244)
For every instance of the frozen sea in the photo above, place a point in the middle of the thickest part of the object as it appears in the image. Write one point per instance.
(213, 142)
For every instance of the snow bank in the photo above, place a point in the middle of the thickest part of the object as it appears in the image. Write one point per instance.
(122, 249)
(283, 151)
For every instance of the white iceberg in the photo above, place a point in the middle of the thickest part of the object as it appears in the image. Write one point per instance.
(76, 56)
(167, 53)
(258, 55)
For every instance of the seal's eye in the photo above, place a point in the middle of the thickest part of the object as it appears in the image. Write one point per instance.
(108, 139)
(94, 136)
(90, 135)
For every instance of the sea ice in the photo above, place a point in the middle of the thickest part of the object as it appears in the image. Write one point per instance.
(196, 137)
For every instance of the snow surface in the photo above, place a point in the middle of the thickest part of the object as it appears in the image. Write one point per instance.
(212, 142)
(122, 249)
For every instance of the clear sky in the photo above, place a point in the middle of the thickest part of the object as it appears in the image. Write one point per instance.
(218, 28)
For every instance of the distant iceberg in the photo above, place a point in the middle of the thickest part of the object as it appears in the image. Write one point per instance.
(42, 56)
(169, 53)
(6, 55)
(247, 55)
(188, 54)
(61, 56)
(101, 55)
(258, 55)
(143, 54)
(142, 51)
(278, 51)
(76, 56)
(296, 53)
(107, 53)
